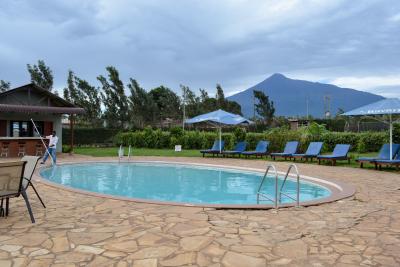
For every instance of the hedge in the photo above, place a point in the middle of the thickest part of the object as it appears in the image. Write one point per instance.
(89, 136)
(361, 142)
(149, 138)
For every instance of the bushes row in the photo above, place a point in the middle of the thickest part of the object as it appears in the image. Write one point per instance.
(148, 138)
(89, 136)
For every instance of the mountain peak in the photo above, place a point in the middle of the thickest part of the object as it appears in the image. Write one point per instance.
(299, 97)
(277, 76)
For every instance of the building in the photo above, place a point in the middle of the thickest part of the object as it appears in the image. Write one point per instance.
(19, 105)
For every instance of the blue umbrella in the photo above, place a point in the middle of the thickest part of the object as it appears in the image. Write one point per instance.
(389, 106)
(219, 118)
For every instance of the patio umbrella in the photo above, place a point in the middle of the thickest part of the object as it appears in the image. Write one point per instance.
(219, 118)
(388, 107)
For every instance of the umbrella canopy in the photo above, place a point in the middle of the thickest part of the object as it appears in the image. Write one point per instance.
(389, 107)
(219, 117)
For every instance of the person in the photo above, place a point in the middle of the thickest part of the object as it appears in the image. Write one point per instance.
(52, 147)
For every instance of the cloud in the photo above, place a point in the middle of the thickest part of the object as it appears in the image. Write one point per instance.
(201, 43)
(368, 82)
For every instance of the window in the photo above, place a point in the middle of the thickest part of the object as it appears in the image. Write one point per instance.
(25, 129)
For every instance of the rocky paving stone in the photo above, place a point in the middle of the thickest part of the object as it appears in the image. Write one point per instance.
(195, 243)
(126, 246)
(82, 230)
(234, 259)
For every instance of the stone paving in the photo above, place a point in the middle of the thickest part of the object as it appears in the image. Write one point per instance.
(81, 230)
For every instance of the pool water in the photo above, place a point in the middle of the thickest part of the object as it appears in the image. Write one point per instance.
(176, 183)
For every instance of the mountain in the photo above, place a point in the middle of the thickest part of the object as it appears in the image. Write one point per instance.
(291, 96)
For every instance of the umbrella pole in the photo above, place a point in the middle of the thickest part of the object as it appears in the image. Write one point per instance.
(220, 139)
(391, 136)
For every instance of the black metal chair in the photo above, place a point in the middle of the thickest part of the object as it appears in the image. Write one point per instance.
(31, 163)
(11, 184)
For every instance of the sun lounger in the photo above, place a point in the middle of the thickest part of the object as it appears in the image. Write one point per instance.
(215, 150)
(385, 162)
(261, 150)
(313, 150)
(290, 148)
(237, 150)
(339, 153)
(384, 154)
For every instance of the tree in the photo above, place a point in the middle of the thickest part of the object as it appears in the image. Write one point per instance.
(70, 92)
(191, 101)
(81, 93)
(225, 104)
(91, 102)
(141, 105)
(114, 99)
(233, 107)
(41, 75)
(167, 103)
(4, 86)
(207, 104)
(264, 108)
(220, 97)
(204, 103)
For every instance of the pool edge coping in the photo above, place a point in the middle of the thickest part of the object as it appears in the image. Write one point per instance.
(339, 190)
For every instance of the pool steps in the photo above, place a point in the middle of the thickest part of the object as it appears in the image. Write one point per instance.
(121, 153)
(276, 200)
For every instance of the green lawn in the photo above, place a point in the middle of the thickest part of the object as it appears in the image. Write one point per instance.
(112, 152)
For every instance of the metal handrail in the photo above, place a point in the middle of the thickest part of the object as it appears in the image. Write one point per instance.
(129, 153)
(297, 199)
(121, 153)
(259, 193)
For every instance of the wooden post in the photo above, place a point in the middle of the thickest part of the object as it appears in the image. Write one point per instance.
(71, 127)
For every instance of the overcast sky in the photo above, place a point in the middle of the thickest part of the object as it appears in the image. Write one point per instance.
(236, 43)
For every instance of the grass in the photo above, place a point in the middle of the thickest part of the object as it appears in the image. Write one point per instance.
(112, 152)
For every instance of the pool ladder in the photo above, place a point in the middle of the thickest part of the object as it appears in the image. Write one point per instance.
(121, 153)
(276, 199)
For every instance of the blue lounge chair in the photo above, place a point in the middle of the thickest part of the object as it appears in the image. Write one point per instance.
(384, 154)
(215, 150)
(339, 153)
(313, 150)
(290, 148)
(385, 162)
(261, 150)
(237, 150)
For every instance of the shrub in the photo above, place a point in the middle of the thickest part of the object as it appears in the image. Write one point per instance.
(149, 138)
(330, 139)
(66, 149)
(89, 136)
(176, 131)
(253, 138)
(396, 133)
(371, 141)
(240, 134)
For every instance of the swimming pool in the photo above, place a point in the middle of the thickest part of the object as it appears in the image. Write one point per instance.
(176, 183)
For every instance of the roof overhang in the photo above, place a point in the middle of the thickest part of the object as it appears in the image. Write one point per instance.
(40, 109)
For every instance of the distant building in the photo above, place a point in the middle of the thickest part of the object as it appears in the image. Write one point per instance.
(297, 123)
(19, 105)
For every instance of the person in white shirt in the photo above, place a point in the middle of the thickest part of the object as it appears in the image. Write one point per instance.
(52, 147)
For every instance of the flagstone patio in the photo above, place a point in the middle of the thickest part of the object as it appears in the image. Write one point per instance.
(81, 230)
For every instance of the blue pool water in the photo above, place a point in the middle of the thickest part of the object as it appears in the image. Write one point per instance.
(172, 182)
